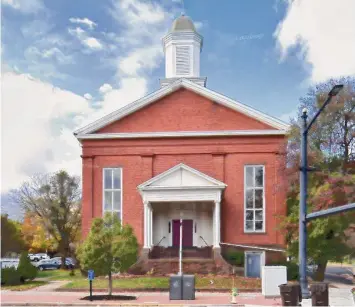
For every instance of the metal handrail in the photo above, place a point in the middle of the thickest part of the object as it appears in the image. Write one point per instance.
(204, 240)
(160, 241)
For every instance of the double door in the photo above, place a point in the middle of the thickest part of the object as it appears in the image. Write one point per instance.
(187, 233)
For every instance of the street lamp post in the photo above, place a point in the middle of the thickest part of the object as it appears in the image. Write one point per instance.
(303, 191)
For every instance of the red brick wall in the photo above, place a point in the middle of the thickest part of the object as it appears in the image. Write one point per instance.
(138, 166)
(220, 157)
(184, 111)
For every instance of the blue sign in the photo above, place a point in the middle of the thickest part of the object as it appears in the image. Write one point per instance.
(91, 275)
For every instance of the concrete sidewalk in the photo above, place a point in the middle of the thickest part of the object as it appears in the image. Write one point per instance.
(337, 297)
(39, 298)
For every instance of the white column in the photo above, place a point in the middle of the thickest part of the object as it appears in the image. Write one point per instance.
(146, 216)
(150, 225)
(217, 225)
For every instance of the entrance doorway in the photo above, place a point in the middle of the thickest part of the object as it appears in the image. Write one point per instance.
(253, 263)
(187, 233)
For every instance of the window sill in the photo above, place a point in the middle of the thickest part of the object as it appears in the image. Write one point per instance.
(255, 232)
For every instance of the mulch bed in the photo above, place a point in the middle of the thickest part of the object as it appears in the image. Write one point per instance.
(109, 298)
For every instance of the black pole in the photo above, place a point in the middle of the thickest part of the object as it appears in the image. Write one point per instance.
(90, 290)
(303, 210)
(302, 252)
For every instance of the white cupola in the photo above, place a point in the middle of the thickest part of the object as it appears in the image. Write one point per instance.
(182, 48)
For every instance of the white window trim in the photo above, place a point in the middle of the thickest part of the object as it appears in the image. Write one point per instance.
(103, 190)
(264, 202)
(262, 260)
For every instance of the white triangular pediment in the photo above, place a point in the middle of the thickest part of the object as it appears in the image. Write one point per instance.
(181, 176)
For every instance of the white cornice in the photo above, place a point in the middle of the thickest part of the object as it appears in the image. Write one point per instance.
(166, 90)
(182, 36)
(180, 134)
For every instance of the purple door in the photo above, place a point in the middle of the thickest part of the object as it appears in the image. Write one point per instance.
(187, 226)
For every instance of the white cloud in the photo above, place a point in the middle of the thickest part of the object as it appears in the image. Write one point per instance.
(38, 121)
(105, 88)
(324, 31)
(138, 12)
(198, 24)
(84, 21)
(144, 24)
(88, 41)
(144, 58)
(87, 96)
(92, 43)
(34, 54)
(35, 128)
(25, 6)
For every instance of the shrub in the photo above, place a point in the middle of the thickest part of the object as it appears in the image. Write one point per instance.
(10, 277)
(25, 269)
(235, 257)
(292, 271)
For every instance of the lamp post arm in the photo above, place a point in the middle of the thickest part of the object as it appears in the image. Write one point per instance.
(317, 114)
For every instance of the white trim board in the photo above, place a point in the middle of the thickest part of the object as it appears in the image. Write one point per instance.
(180, 134)
(182, 83)
(255, 247)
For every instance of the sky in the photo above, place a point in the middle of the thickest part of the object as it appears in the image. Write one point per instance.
(66, 63)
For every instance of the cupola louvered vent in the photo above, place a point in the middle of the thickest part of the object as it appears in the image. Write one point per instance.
(183, 60)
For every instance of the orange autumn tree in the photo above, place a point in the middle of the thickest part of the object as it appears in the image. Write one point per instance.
(36, 238)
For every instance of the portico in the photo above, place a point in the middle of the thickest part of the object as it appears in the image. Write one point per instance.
(182, 193)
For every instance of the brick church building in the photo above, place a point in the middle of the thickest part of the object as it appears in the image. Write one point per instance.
(187, 152)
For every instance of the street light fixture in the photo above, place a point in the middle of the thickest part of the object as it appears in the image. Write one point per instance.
(304, 169)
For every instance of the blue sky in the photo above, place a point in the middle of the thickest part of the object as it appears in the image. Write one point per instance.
(239, 54)
(65, 63)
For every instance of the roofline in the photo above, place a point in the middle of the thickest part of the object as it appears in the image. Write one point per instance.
(179, 134)
(164, 91)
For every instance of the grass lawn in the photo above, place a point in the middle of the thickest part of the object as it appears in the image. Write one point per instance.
(26, 286)
(140, 282)
(202, 282)
(59, 275)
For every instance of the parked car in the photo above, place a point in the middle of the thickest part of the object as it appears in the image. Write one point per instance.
(42, 256)
(48, 264)
(9, 262)
(68, 262)
(33, 257)
(38, 257)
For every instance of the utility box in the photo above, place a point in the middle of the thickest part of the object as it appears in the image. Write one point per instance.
(175, 289)
(188, 287)
(271, 278)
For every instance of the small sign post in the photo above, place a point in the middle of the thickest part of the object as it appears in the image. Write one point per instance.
(91, 277)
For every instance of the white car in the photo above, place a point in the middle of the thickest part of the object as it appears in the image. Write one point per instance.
(39, 256)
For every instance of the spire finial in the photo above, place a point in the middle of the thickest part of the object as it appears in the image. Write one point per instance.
(182, 8)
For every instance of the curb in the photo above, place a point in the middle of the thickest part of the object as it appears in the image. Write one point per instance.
(119, 305)
(133, 290)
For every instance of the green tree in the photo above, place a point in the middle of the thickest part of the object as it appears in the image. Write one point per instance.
(108, 248)
(25, 268)
(332, 152)
(56, 200)
(11, 237)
